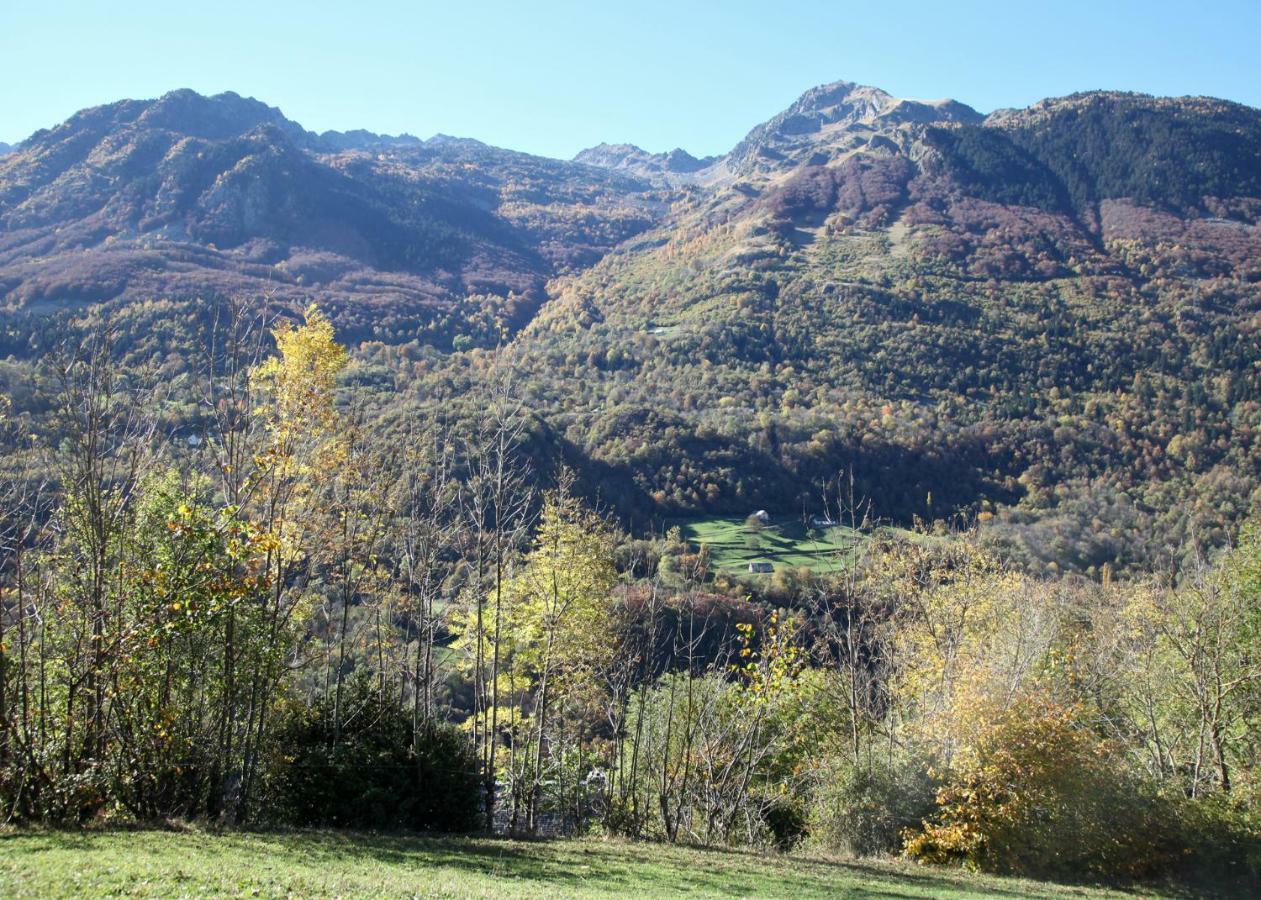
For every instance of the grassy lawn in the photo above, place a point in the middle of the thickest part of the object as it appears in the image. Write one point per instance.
(325, 864)
(733, 544)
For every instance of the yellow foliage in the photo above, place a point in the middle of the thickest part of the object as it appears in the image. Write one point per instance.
(301, 379)
(297, 389)
(557, 605)
(1039, 791)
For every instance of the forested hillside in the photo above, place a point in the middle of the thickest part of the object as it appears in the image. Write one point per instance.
(1045, 318)
(889, 484)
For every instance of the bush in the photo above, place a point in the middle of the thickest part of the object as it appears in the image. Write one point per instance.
(379, 775)
(1041, 794)
(1223, 834)
(863, 811)
(785, 820)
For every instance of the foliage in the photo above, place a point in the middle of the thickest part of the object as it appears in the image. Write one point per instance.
(296, 610)
(188, 584)
(155, 603)
(1038, 792)
(1223, 834)
(301, 377)
(374, 772)
(718, 756)
(559, 600)
(864, 810)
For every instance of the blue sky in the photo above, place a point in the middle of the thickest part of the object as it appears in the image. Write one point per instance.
(554, 77)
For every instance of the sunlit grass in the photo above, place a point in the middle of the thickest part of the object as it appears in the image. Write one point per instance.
(327, 864)
(733, 544)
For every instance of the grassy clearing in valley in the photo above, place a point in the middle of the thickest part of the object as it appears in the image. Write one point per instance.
(733, 544)
(323, 864)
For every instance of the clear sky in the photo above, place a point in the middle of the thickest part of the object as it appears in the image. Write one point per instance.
(552, 76)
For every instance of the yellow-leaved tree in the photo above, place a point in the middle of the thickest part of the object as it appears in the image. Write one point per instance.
(558, 633)
(968, 636)
(1038, 792)
(299, 383)
(299, 446)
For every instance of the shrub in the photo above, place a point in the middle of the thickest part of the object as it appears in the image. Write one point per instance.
(1040, 793)
(1223, 834)
(785, 821)
(863, 811)
(379, 774)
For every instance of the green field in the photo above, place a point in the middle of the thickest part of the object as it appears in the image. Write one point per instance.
(785, 544)
(329, 864)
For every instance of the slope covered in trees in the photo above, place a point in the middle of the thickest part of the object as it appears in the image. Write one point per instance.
(1045, 318)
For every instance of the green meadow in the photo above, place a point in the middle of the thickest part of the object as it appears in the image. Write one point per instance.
(788, 543)
(150, 863)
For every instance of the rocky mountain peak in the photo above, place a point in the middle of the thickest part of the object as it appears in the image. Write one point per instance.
(361, 139)
(215, 117)
(830, 112)
(673, 165)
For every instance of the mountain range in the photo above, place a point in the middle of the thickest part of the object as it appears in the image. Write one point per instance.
(188, 194)
(1049, 315)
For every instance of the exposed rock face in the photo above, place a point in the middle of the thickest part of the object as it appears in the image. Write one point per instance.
(629, 158)
(825, 123)
(830, 116)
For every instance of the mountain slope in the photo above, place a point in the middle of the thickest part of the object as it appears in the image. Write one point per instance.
(1171, 153)
(949, 311)
(1048, 317)
(834, 117)
(189, 194)
(671, 167)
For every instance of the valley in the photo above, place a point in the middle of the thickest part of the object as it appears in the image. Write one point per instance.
(886, 485)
